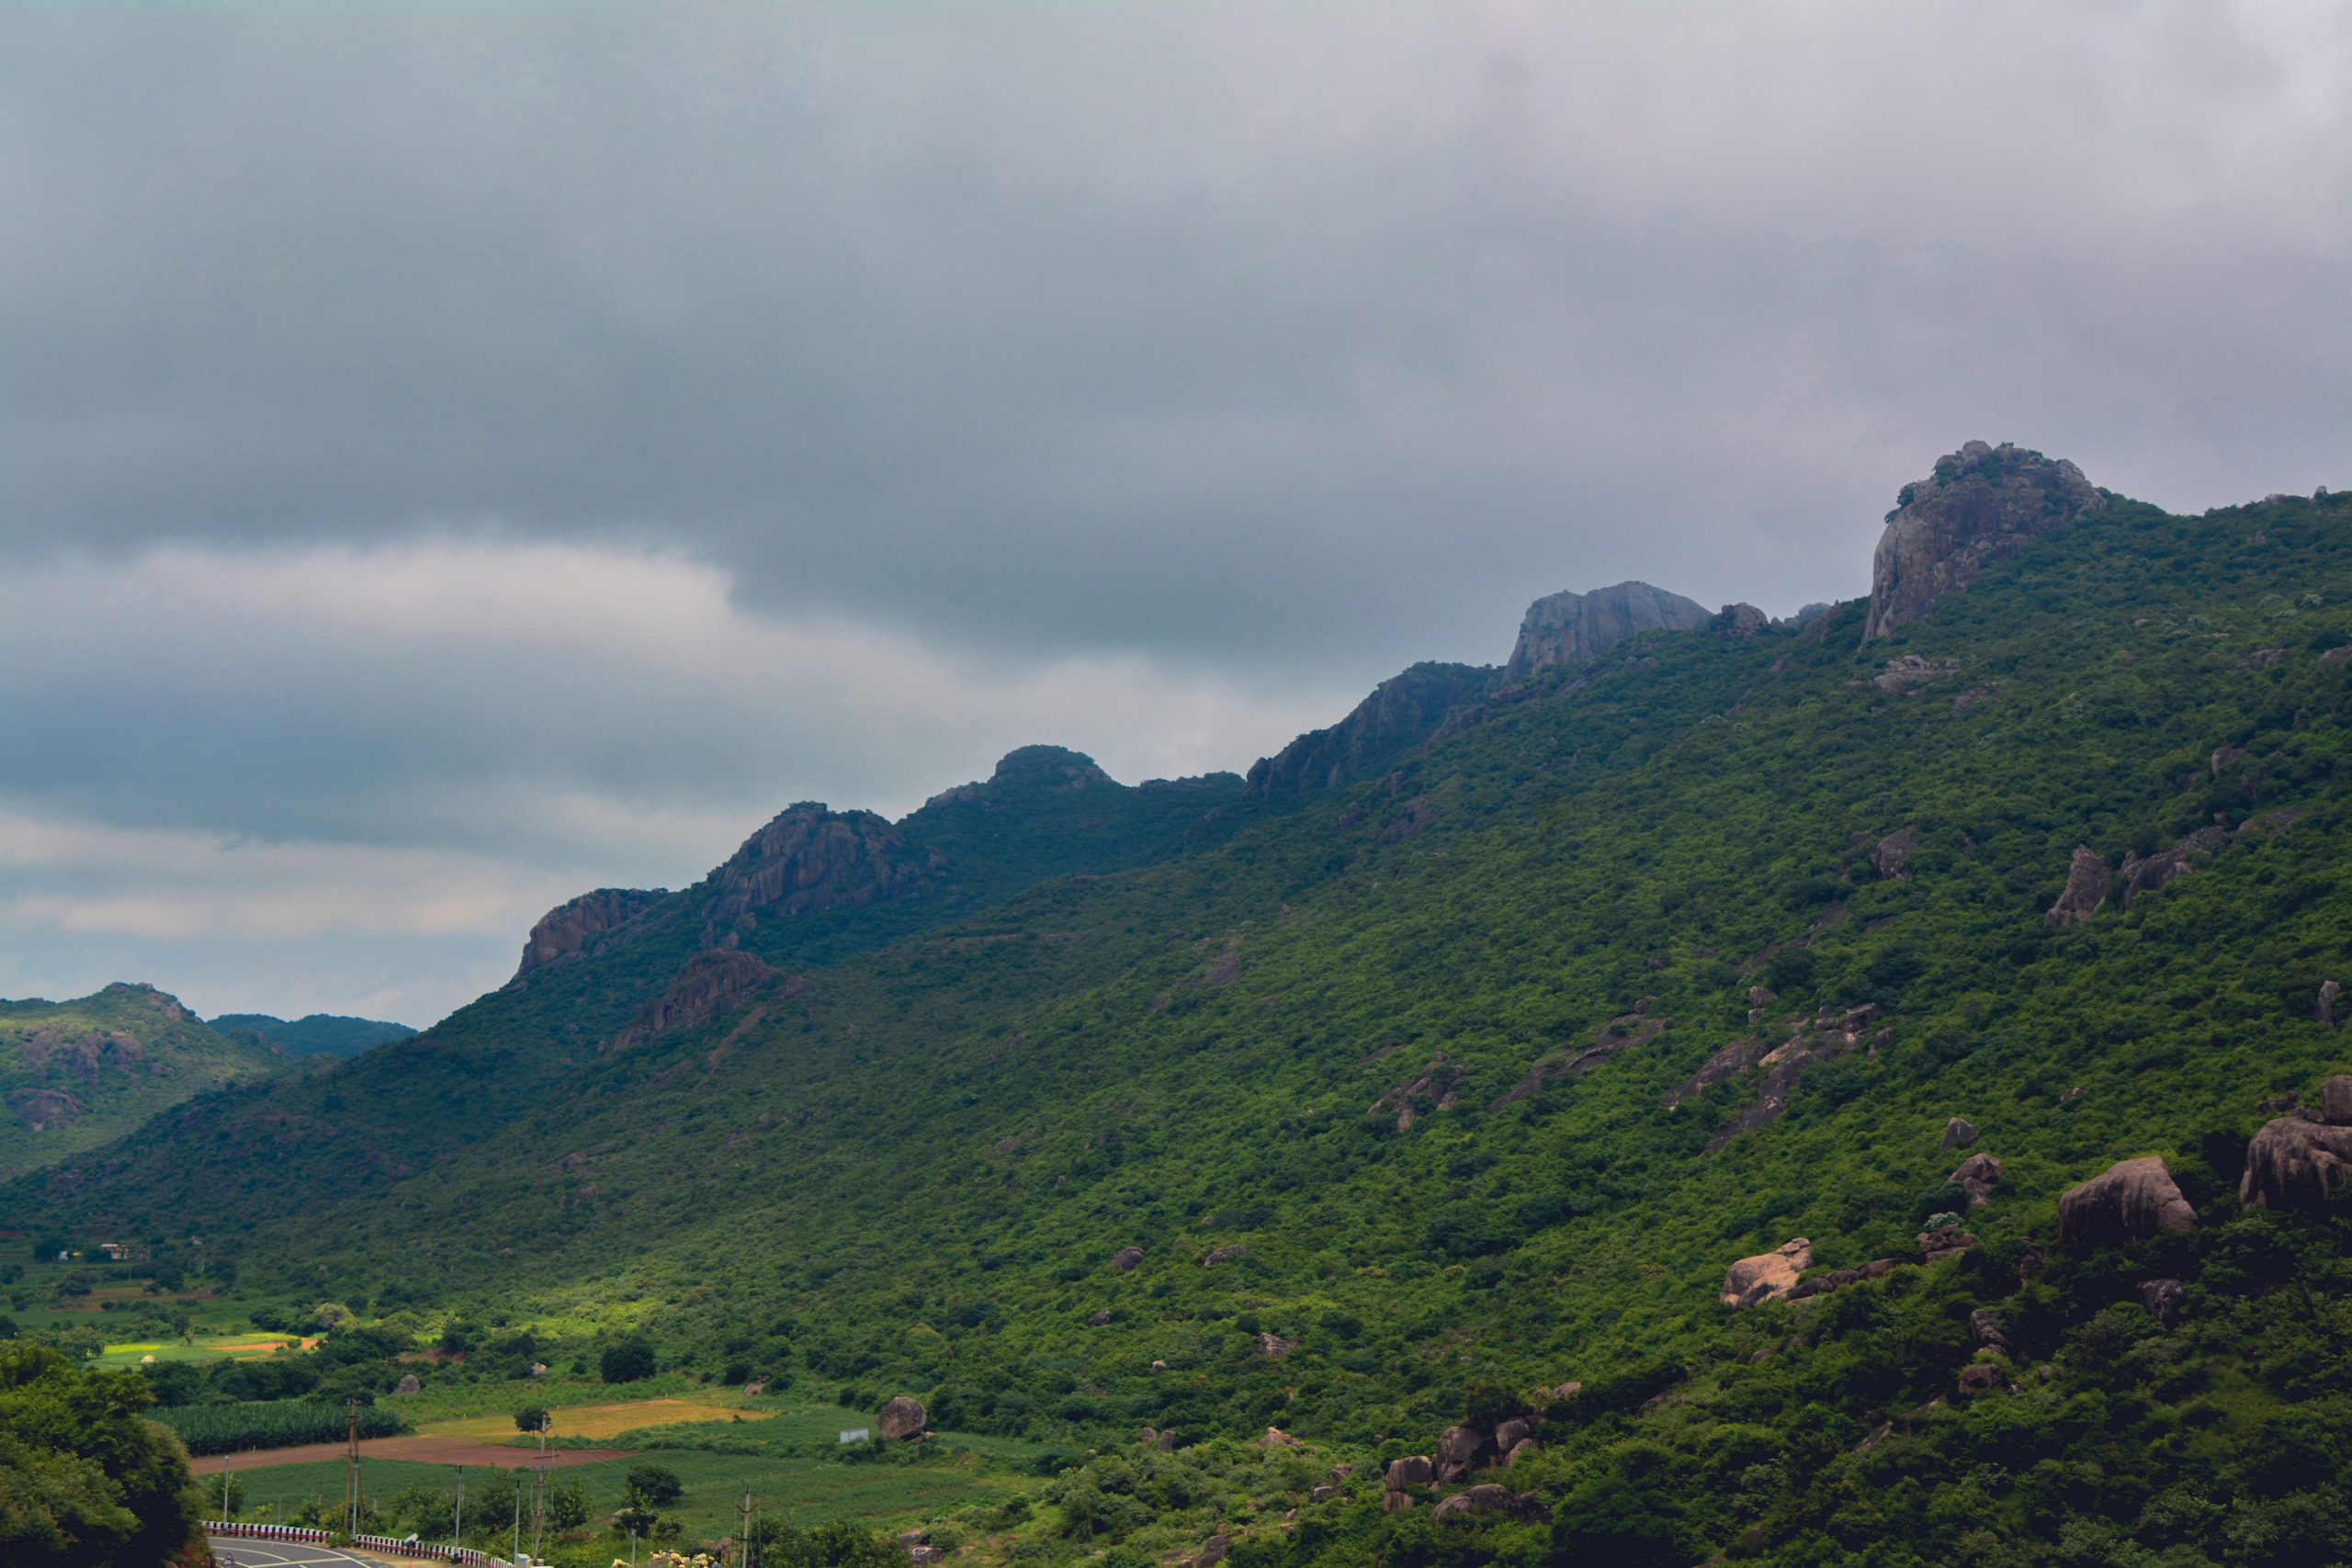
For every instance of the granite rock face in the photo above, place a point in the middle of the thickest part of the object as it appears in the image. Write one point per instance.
(2295, 1162)
(809, 859)
(1568, 628)
(1981, 505)
(569, 927)
(1401, 712)
(706, 984)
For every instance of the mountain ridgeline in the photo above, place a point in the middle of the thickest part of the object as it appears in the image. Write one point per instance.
(1855, 1089)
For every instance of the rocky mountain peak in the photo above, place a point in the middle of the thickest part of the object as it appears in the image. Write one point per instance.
(1980, 504)
(1049, 767)
(573, 924)
(809, 859)
(1568, 629)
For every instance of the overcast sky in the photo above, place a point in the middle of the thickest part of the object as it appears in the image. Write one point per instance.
(454, 456)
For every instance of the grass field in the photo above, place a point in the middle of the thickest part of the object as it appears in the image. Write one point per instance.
(805, 1489)
(234, 1346)
(599, 1420)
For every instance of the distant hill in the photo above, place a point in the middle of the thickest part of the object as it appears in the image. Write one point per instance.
(75, 1075)
(320, 1034)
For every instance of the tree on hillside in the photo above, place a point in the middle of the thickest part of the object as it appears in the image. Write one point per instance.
(651, 1486)
(532, 1419)
(84, 1480)
(629, 1361)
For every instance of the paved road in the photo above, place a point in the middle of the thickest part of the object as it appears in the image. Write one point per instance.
(247, 1553)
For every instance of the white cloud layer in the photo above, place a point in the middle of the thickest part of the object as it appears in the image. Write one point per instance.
(421, 746)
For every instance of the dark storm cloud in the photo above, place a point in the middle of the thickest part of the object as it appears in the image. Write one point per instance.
(1316, 333)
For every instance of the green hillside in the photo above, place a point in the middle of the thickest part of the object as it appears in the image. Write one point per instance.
(1475, 1077)
(318, 1034)
(76, 1075)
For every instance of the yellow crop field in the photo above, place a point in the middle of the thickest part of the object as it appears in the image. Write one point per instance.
(595, 1420)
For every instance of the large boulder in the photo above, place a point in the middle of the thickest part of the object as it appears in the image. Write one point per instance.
(2131, 1200)
(1957, 1134)
(2295, 1164)
(1457, 1451)
(1126, 1259)
(1413, 1470)
(1979, 1173)
(1768, 1276)
(2336, 1100)
(2326, 1012)
(1981, 504)
(2085, 890)
(408, 1385)
(904, 1418)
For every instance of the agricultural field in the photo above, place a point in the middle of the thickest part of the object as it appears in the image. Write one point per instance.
(803, 1481)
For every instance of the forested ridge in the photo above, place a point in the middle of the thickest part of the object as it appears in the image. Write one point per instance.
(1444, 1097)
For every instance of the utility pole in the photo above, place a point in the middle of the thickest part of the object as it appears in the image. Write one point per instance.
(540, 1492)
(224, 1490)
(458, 1535)
(518, 1519)
(351, 1474)
(744, 1556)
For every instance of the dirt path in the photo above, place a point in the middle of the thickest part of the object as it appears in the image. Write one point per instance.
(420, 1450)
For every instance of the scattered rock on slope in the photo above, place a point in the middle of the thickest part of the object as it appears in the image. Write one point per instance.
(1126, 1258)
(2131, 1200)
(903, 1419)
(2295, 1163)
(1768, 1276)
(1568, 628)
(1981, 505)
(1979, 1174)
(2326, 1012)
(1957, 1134)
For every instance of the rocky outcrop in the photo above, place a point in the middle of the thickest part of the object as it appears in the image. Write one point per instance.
(2130, 1201)
(1225, 1254)
(708, 984)
(408, 1385)
(37, 1110)
(1569, 629)
(571, 927)
(1623, 1033)
(1900, 675)
(1434, 1090)
(1126, 1258)
(1459, 1450)
(2325, 1011)
(1769, 1275)
(2297, 1163)
(902, 1419)
(810, 859)
(1891, 857)
(1981, 505)
(1741, 619)
(1979, 1174)
(1827, 1034)
(2165, 1300)
(2085, 889)
(1487, 1501)
(2170, 865)
(1402, 711)
(1413, 1470)
(1957, 1134)
(1838, 1278)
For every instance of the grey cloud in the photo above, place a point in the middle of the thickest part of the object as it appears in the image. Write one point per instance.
(1317, 334)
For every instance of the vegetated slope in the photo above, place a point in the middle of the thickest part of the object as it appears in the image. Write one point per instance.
(1470, 1065)
(318, 1034)
(75, 1075)
(813, 885)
